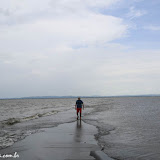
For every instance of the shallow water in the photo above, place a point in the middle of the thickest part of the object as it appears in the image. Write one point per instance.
(128, 126)
(67, 141)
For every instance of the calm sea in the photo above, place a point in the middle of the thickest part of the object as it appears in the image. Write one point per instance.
(129, 127)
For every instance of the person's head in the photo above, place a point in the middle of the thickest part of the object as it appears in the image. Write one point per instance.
(79, 98)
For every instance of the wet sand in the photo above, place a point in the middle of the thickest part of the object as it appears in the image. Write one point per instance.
(69, 141)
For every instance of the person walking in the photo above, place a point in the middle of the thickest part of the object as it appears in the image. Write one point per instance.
(78, 107)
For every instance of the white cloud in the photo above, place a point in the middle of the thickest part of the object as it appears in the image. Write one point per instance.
(61, 28)
(24, 10)
(87, 71)
(79, 5)
(63, 47)
(135, 13)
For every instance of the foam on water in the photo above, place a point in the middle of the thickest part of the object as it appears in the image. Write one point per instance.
(5, 142)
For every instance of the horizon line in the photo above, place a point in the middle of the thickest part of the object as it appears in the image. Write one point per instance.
(94, 96)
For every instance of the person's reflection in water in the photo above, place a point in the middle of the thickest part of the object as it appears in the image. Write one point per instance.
(78, 131)
(77, 138)
(79, 124)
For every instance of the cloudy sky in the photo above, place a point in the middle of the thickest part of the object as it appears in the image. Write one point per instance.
(79, 47)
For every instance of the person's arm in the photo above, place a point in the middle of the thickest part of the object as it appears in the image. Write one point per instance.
(75, 106)
(83, 106)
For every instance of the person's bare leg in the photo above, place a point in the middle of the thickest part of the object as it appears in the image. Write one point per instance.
(77, 114)
(80, 113)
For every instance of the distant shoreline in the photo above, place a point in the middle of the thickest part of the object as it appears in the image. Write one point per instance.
(67, 97)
